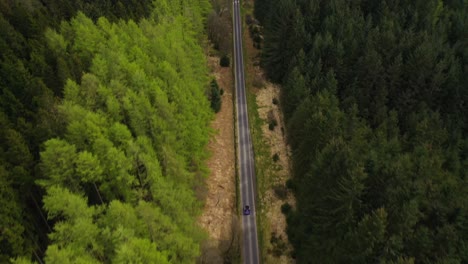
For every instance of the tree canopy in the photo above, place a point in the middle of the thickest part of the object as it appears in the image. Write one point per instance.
(375, 96)
(105, 120)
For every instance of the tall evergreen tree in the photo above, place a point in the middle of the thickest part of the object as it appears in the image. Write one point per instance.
(374, 96)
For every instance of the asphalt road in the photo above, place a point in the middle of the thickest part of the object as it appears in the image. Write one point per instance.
(250, 251)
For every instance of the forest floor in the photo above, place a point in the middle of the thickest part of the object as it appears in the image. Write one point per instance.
(272, 172)
(219, 217)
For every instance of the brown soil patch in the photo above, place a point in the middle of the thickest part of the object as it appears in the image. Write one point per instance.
(219, 211)
(265, 92)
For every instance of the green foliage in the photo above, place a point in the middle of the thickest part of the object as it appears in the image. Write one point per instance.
(215, 96)
(77, 236)
(374, 97)
(35, 62)
(97, 108)
(256, 34)
(286, 208)
(139, 251)
(279, 246)
(136, 131)
(262, 9)
(224, 61)
(290, 184)
(275, 157)
(12, 234)
(272, 124)
(284, 35)
(21, 260)
(58, 164)
(280, 191)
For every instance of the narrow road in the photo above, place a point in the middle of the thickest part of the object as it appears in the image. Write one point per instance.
(245, 152)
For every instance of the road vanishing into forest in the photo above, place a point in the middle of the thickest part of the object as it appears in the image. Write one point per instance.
(250, 251)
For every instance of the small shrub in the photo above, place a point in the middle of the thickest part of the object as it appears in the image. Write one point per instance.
(214, 84)
(286, 208)
(257, 45)
(290, 184)
(270, 115)
(281, 192)
(255, 29)
(275, 157)
(224, 62)
(273, 238)
(249, 19)
(257, 81)
(257, 38)
(215, 96)
(275, 101)
(273, 123)
(216, 103)
(279, 245)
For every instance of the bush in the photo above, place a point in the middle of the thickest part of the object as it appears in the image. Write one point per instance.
(258, 81)
(286, 208)
(275, 157)
(275, 101)
(257, 38)
(257, 45)
(290, 184)
(273, 123)
(279, 245)
(224, 62)
(214, 84)
(280, 191)
(215, 96)
(249, 19)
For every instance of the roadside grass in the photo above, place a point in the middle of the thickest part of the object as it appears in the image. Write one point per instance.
(263, 164)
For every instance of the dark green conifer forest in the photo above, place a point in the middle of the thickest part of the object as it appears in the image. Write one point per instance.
(375, 95)
(104, 120)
